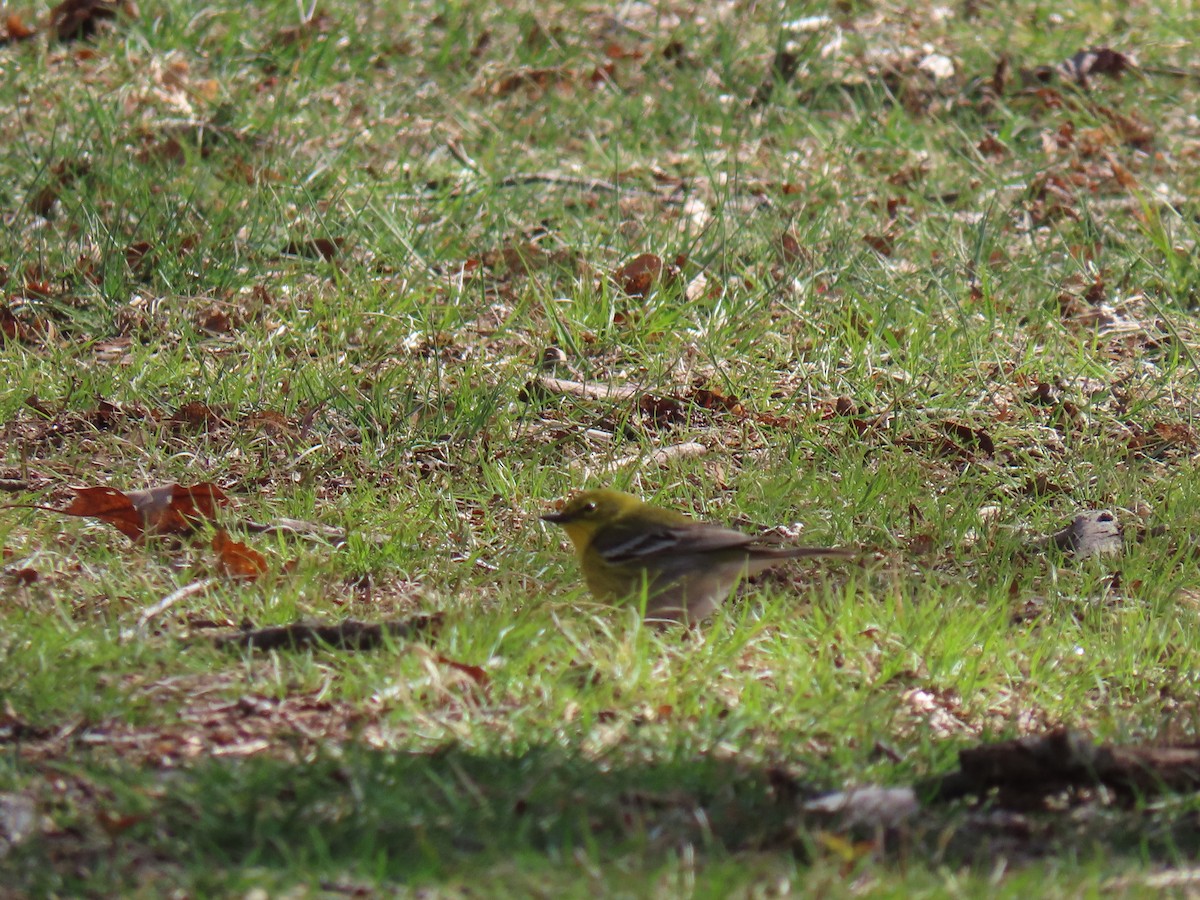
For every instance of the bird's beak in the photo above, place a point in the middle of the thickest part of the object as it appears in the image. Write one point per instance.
(556, 517)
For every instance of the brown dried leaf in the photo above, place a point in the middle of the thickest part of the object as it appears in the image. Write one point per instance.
(662, 411)
(1040, 486)
(992, 148)
(27, 329)
(970, 438)
(214, 320)
(237, 560)
(168, 509)
(1161, 438)
(320, 23)
(73, 19)
(1130, 129)
(197, 416)
(62, 174)
(640, 274)
(536, 79)
(139, 258)
(318, 248)
(24, 577)
(1095, 61)
(791, 252)
(16, 30)
(1000, 76)
(883, 244)
(710, 399)
(475, 673)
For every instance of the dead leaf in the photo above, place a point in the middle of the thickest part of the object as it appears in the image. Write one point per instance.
(970, 438)
(1000, 75)
(237, 560)
(168, 509)
(27, 329)
(1130, 129)
(24, 577)
(1161, 438)
(74, 19)
(318, 248)
(883, 244)
(318, 24)
(538, 80)
(1041, 486)
(1096, 61)
(662, 411)
(62, 174)
(115, 823)
(475, 673)
(791, 252)
(139, 258)
(214, 320)
(716, 400)
(640, 274)
(16, 30)
(197, 416)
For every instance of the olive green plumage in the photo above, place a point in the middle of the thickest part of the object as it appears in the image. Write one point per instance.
(686, 567)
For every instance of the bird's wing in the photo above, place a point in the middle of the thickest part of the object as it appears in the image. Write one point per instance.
(619, 545)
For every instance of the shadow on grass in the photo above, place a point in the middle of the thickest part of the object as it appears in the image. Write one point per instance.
(456, 816)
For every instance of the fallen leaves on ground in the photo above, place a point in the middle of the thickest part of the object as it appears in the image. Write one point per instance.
(73, 19)
(236, 559)
(170, 509)
(15, 29)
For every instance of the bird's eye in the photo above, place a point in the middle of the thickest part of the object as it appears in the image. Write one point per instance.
(588, 507)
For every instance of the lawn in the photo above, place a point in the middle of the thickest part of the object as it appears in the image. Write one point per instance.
(918, 281)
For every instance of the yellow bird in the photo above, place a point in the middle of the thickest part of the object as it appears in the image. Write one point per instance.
(685, 567)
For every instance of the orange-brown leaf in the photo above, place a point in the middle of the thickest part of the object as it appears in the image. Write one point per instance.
(640, 274)
(317, 248)
(167, 509)
(16, 29)
(236, 559)
(475, 673)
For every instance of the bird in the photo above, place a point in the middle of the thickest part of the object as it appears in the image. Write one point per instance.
(685, 568)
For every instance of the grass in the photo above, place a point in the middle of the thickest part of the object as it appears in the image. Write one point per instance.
(937, 317)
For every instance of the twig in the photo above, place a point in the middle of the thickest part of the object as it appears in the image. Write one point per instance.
(1047, 764)
(347, 635)
(662, 455)
(579, 389)
(299, 528)
(196, 587)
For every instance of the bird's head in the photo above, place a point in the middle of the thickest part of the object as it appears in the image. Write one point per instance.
(587, 512)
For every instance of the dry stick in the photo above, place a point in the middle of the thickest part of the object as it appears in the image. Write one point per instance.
(196, 587)
(617, 392)
(662, 455)
(347, 635)
(584, 391)
(313, 531)
(586, 184)
(1049, 763)
(522, 178)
